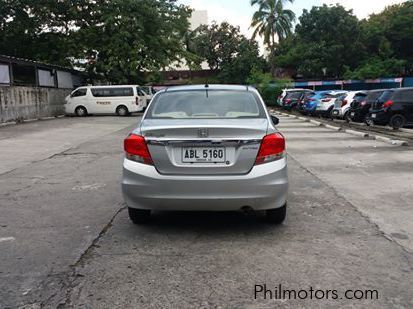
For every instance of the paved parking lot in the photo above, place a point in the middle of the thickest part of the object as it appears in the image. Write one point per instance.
(65, 239)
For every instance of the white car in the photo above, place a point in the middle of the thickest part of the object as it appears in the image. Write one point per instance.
(326, 105)
(121, 100)
(149, 91)
(342, 104)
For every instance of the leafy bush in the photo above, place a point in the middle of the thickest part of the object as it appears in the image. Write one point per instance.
(269, 88)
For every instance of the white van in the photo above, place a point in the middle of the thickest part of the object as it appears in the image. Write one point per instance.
(149, 91)
(121, 100)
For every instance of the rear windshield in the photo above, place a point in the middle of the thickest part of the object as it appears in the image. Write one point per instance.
(206, 104)
(294, 95)
(386, 95)
(373, 96)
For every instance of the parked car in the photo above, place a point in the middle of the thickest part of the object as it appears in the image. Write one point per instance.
(342, 105)
(326, 104)
(393, 107)
(359, 108)
(292, 98)
(121, 100)
(284, 94)
(301, 102)
(310, 103)
(206, 148)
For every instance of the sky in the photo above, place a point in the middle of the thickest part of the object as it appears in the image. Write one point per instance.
(239, 12)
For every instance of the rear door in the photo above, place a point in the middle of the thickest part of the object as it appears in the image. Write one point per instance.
(204, 132)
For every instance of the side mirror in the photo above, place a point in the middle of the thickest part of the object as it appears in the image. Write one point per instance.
(275, 120)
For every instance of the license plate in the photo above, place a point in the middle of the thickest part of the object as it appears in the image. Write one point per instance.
(373, 115)
(335, 112)
(353, 114)
(203, 154)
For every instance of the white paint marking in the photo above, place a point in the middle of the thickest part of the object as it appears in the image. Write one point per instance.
(4, 239)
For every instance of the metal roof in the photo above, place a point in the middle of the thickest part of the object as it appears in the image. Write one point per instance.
(5, 58)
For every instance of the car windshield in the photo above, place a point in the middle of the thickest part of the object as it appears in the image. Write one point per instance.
(294, 95)
(372, 96)
(206, 104)
(385, 96)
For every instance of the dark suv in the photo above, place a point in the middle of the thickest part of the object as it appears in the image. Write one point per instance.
(393, 107)
(359, 108)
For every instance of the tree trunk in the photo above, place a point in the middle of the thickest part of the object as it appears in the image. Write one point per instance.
(271, 58)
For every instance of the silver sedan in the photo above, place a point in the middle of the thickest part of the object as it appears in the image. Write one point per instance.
(206, 148)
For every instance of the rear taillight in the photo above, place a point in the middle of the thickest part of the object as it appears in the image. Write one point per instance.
(288, 101)
(388, 104)
(344, 103)
(137, 150)
(272, 148)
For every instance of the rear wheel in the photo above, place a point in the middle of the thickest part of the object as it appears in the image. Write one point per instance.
(122, 111)
(397, 121)
(139, 216)
(277, 215)
(347, 117)
(81, 111)
(368, 121)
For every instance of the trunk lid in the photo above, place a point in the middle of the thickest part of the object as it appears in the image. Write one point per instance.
(204, 146)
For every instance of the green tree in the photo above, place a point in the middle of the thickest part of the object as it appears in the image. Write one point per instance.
(272, 22)
(389, 36)
(327, 41)
(227, 52)
(116, 40)
(217, 43)
(238, 69)
(128, 37)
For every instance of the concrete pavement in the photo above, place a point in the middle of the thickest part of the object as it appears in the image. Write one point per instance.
(66, 241)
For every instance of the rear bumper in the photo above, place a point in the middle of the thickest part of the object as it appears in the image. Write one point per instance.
(358, 114)
(381, 117)
(264, 187)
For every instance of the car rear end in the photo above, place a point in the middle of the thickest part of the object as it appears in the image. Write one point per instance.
(325, 105)
(359, 108)
(303, 100)
(380, 112)
(291, 99)
(211, 149)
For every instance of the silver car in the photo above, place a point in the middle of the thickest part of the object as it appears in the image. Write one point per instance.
(206, 148)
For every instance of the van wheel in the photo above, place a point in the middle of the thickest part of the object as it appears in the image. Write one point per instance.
(139, 216)
(122, 111)
(277, 215)
(397, 121)
(80, 111)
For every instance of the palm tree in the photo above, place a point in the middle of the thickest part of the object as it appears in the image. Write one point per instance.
(273, 22)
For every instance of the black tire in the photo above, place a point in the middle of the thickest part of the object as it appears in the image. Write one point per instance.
(347, 117)
(122, 111)
(277, 215)
(139, 216)
(81, 111)
(368, 121)
(397, 121)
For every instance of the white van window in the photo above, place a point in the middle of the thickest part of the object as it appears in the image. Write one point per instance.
(141, 92)
(79, 93)
(112, 92)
